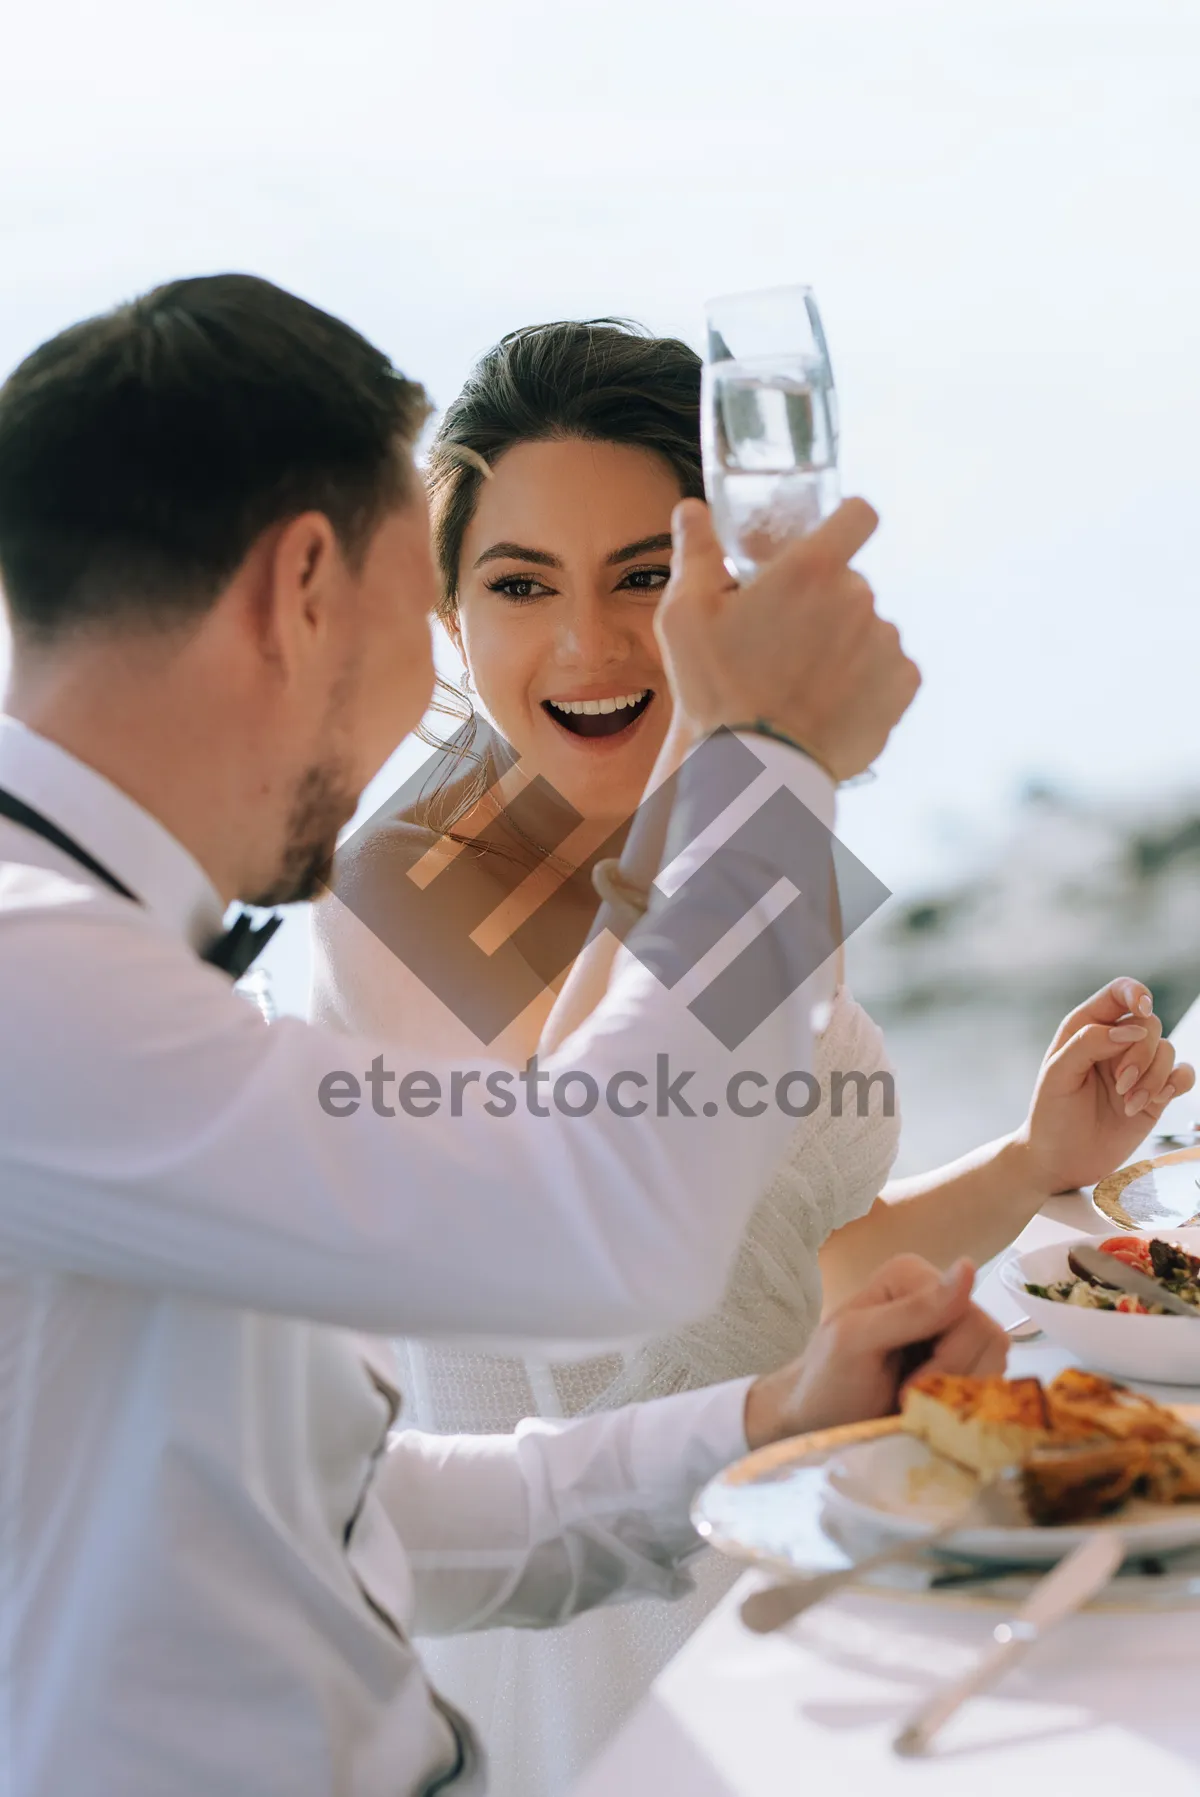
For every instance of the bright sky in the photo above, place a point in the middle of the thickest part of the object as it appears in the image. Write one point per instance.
(996, 201)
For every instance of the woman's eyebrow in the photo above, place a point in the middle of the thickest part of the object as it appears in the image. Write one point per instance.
(643, 546)
(516, 552)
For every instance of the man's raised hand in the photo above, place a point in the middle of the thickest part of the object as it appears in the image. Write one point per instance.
(801, 647)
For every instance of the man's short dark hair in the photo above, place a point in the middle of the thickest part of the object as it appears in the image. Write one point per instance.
(143, 452)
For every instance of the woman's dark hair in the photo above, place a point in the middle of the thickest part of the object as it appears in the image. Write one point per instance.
(603, 379)
(142, 452)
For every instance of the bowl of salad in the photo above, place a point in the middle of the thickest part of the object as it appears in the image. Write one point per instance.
(1107, 1329)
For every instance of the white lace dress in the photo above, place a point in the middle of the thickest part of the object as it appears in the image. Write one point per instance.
(545, 1702)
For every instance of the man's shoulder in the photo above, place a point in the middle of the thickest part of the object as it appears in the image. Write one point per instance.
(28, 891)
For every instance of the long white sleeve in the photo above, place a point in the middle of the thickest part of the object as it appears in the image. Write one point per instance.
(529, 1529)
(183, 1147)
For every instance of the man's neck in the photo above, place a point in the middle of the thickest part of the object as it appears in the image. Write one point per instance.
(115, 712)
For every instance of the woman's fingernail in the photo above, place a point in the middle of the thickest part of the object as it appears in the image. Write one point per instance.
(1138, 1102)
(1166, 1095)
(1127, 1081)
(1128, 1032)
(954, 1273)
(1146, 1006)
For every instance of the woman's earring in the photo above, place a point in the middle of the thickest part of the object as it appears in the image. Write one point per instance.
(465, 682)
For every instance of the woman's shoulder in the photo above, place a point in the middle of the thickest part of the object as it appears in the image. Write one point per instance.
(386, 846)
(851, 1038)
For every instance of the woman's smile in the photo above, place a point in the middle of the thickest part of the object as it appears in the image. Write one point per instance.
(600, 720)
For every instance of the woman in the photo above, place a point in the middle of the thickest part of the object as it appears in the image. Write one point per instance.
(552, 480)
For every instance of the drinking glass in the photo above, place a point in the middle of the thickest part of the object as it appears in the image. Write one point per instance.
(769, 421)
(770, 426)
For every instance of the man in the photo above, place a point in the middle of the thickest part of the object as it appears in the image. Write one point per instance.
(216, 564)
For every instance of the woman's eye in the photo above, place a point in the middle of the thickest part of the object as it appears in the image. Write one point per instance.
(518, 587)
(646, 580)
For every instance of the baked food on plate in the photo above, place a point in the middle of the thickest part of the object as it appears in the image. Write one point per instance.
(1075, 1480)
(983, 1424)
(1084, 1444)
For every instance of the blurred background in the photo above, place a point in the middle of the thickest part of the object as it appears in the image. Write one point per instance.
(996, 203)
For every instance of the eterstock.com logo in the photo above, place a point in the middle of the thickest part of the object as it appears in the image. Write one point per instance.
(488, 928)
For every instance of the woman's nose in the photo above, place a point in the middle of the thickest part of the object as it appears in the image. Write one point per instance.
(589, 636)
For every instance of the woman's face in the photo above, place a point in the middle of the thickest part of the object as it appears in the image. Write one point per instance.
(561, 570)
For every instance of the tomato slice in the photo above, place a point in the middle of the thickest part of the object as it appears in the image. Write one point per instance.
(1128, 1248)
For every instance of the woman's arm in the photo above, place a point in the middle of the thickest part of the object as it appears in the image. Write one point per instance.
(972, 1207)
(1105, 1080)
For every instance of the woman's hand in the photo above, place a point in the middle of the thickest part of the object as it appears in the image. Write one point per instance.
(856, 1363)
(1104, 1083)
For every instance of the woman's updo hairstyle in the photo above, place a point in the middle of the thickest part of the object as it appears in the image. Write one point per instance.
(603, 379)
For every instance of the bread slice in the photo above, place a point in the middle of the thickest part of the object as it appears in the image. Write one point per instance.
(985, 1425)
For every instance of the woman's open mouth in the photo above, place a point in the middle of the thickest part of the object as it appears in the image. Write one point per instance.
(599, 717)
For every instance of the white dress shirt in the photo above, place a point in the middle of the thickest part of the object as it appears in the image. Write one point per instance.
(211, 1556)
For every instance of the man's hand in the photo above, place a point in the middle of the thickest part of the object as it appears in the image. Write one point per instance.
(855, 1365)
(1105, 1081)
(800, 647)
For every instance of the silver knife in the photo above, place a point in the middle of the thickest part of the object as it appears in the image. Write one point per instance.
(1113, 1271)
(1057, 1596)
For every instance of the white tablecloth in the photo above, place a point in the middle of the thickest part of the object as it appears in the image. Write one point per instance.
(1110, 1703)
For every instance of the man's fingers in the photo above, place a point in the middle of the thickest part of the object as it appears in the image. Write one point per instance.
(899, 1277)
(919, 1314)
(843, 533)
(823, 550)
(976, 1344)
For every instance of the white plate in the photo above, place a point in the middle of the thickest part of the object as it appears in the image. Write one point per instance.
(902, 1490)
(1159, 1194)
(1160, 1350)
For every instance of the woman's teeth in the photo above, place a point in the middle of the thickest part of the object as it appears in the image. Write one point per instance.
(599, 717)
(591, 708)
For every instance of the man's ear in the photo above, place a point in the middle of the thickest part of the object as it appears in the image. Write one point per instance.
(305, 570)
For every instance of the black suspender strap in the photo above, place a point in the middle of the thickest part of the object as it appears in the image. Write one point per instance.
(18, 812)
(233, 952)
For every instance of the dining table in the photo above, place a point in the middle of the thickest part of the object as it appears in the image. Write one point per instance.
(1106, 1703)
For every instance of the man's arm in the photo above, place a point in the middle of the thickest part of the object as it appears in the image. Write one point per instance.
(529, 1529)
(193, 1153)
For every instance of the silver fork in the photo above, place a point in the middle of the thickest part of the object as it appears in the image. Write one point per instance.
(766, 1610)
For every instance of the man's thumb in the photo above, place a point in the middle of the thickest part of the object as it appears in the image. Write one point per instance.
(697, 559)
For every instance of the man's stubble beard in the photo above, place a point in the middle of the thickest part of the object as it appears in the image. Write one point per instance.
(324, 801)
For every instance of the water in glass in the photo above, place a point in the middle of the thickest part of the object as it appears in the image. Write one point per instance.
(771, 452)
